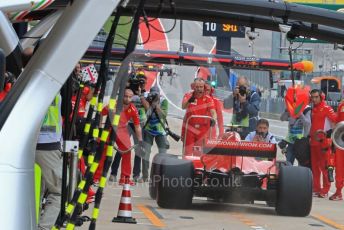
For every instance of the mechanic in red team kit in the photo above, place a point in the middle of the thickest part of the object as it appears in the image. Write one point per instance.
(322, 116)
(339, 162)
(123, 142)
(197, 104)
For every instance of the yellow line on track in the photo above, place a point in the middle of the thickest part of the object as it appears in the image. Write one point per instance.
(151, 216)
(328, 221)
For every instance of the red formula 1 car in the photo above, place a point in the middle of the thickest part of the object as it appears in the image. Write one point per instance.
(231, 170)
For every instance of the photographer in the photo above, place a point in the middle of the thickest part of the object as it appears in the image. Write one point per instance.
(154, 129)
(246, 105)
(262, 133)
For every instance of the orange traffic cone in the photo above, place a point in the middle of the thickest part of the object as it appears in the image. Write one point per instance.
(124, 210)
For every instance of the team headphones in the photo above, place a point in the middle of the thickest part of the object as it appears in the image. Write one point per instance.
(192, 85)
(208, 87)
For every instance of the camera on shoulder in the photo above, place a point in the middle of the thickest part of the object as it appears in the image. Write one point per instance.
(135, 81)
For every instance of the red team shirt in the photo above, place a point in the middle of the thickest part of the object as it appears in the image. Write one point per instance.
(201, 106)
(128, 114)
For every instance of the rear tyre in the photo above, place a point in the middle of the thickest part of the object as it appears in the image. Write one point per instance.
(155, 174)
(175, 189)
(280, 164)
(294, 192)
(273, 184)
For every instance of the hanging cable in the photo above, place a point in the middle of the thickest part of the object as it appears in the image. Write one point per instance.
(120, 83)
(91, 127)
(172, 4)
(104, 132)
(160, 10)
(126, 23)
(97, 148)
(167, 31)
(121, 36)
(115, 108)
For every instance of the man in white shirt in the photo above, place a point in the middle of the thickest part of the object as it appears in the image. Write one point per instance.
(262, 133)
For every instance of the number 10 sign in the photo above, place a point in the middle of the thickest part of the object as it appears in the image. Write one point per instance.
(223, 30)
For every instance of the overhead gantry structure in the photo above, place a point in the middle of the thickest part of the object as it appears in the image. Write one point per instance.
(304, 20)
(25, 106)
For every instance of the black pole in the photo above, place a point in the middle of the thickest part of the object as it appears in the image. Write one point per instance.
(75, 110)
(134, 29)
(66, 92)
(223, 46)
(181, 35)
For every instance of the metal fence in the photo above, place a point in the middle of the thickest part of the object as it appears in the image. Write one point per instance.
(260, 79)
(222, 93)
(277, 105)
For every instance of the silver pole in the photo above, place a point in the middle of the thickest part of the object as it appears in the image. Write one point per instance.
(71, 147)
(9, 42)
(25, 106)
(9, 39)
(73, 174)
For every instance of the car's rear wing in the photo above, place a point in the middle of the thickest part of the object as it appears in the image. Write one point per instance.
(240, 148)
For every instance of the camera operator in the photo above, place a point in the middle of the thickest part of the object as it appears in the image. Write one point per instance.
(154, 129)
(262, 133)
(246, 105)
